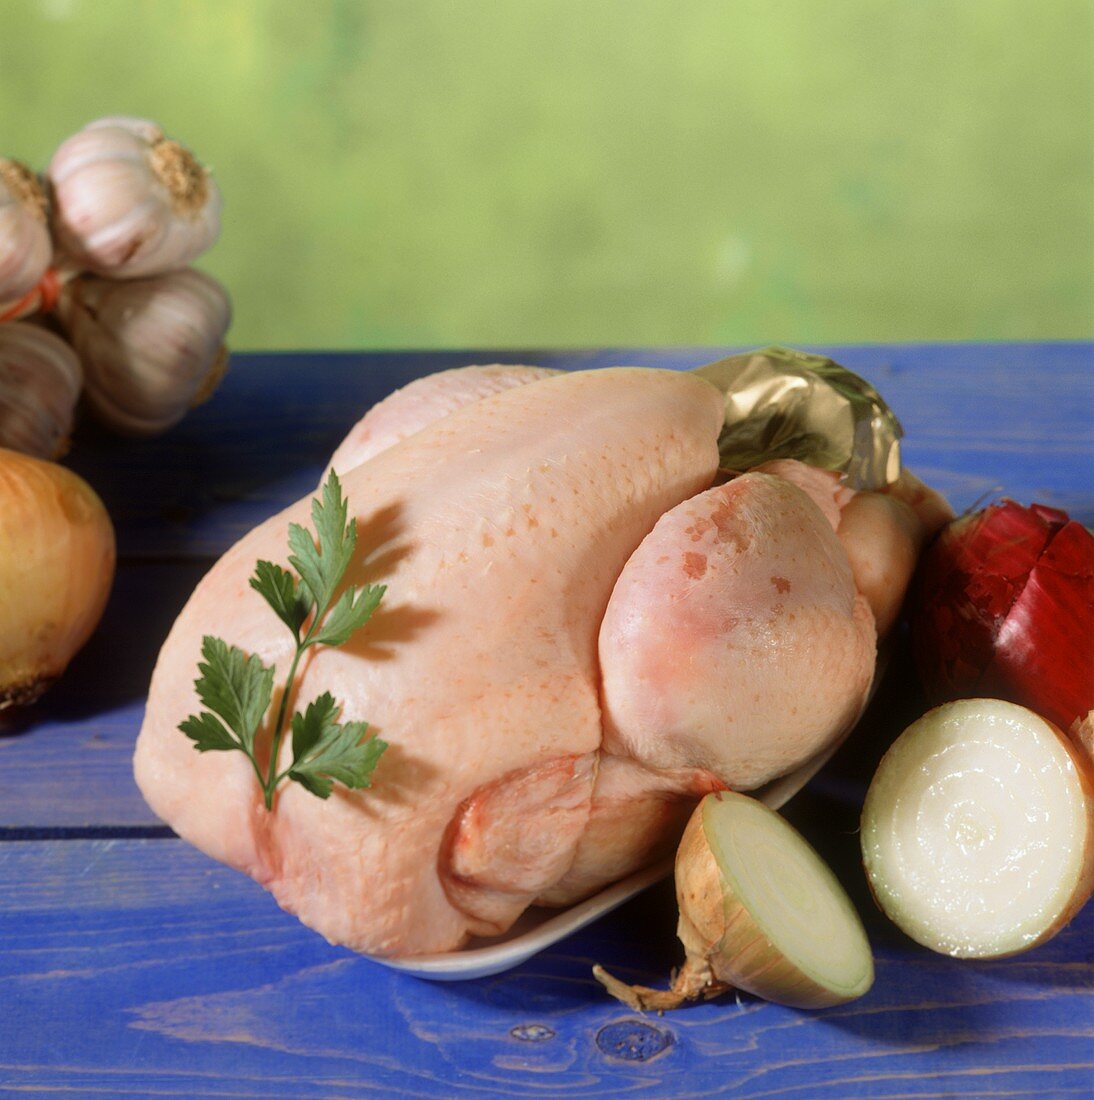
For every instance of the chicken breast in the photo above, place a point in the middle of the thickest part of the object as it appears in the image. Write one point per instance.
(480, 668)
(423, 401)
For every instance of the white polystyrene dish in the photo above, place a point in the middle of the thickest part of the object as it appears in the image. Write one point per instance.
(538, 928)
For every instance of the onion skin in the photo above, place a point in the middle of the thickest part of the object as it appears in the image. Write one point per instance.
(1004, 609)
(57, 557)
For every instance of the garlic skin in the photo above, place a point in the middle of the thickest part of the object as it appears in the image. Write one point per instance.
(25, 247)
(40, 380)
(151, 348)
(129, 203)
(57, 557)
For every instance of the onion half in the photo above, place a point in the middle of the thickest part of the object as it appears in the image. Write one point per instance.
(978, 830)
(759, 911)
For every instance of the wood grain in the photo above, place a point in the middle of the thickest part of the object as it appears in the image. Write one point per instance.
(67, 763)
(149, 970)
(131, 966)
(977, 418)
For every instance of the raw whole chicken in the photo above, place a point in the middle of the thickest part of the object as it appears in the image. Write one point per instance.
(583, 635)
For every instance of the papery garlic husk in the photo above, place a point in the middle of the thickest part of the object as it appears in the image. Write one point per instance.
(151, 348)
(25, 246)
(57, 560)
(129, 203)
(759, 911)
(40, 381)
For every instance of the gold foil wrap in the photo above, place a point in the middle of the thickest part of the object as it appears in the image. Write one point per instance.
(782, 403)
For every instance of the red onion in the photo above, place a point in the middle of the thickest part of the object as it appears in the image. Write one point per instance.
(1005, 609)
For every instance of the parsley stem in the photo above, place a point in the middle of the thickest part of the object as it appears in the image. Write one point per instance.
(254, 764)
(237, 689)
(269, 783)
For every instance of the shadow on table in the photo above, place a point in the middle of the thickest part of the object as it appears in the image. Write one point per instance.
(259, 444)
(115, 666)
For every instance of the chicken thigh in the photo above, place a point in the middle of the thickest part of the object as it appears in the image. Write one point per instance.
(735, 640)
(739, 643)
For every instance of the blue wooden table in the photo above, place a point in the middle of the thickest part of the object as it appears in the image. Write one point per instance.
(133, 966)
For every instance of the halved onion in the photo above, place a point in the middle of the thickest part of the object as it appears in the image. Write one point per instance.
(759, 911)
(978, 830)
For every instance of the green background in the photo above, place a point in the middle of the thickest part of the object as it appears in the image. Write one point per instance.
(582, 172)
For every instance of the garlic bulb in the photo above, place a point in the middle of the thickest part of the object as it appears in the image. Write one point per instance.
(130, 203)
(151, 348)
(56, 568)
(25, 247)
(40, 380)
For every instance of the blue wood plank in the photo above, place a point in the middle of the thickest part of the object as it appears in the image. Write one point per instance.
(1014, 417)
(139, 968)
(67, 762)
(142, 969)
(978, 418)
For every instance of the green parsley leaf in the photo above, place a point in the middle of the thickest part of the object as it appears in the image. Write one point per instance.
(353, 609)
(316, 723)
(305, 560)
(340, 752)
(278, 587)
(322, 568)
(208, 733)
(235, 687)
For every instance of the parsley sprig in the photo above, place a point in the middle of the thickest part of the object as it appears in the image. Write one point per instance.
(237, 690)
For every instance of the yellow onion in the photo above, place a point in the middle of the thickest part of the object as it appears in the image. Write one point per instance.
(56, 568)
(759, 911)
